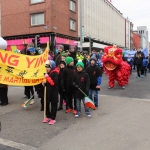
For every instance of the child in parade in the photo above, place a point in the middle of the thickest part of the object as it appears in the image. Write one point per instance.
(130, 62)
(81, 80)
(145, 65)
(61, 86)
(51, 91)
(68, 73)
(95, 75)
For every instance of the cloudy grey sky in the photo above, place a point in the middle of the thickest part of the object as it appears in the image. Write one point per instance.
(138, 11)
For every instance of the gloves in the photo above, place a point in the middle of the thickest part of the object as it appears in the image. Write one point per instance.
(44, 84)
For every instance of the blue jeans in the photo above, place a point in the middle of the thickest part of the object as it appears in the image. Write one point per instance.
(78, 105)
(95, 92)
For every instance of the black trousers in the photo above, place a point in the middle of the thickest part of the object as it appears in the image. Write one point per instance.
(42, 102)
(29, 89)
(69, 97)
(51, 110)
(140, 68)
(3, 95)
(62, 97)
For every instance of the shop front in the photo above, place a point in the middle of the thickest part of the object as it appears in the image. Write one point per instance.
(19, 44)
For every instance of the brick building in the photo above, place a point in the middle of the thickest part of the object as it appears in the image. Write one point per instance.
(23, 19)
(136, 40)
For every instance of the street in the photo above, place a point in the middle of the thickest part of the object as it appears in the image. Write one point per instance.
(121, 122)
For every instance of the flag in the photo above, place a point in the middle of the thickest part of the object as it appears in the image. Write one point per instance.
(25, 105)
(89, 103)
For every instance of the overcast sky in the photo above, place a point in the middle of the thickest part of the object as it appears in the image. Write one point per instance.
(138, 11)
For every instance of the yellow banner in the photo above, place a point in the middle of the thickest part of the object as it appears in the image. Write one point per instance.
(22, 70)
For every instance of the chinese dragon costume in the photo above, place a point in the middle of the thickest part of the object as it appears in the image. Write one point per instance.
(114, 66)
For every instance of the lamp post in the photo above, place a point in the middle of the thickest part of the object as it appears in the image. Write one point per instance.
(81, 25)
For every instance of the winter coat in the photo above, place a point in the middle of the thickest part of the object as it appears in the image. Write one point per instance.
(138, 57)
(145, 62)
(68, 73)
(82, 80)
(52, 86)
(57, 58)
(95, 75)
(130, 61)
(60, 81)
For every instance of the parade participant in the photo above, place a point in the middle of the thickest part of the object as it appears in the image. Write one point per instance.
(3, 94)
(145, 65)
(51, 91)
(81, 80)
(117, 69)
(130, 62)
(61, 86)
(40, 91)
(57, 57)
(79, 56)
(68, 73)
(3, 87)
(95, 75)
(29, 89)
(138, 57)
(73, 54)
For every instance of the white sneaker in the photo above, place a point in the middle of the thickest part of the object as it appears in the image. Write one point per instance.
(32, 102)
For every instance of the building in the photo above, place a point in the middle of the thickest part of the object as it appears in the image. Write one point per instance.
(103, 23)
(136, 40)
(23, 19)
(128, 33)
(131, 36)
(143, 32)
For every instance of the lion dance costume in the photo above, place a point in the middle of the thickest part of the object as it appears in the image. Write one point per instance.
(117, 69)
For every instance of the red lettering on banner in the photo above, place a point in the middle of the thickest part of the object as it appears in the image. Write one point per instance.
(40, 61)
(11, 79)
(30, 61)
(6, 79)
(36, 63)
(3, 58)
(12, 61)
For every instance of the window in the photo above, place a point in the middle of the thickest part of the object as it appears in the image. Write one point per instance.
(36, 1)
(37, 19)
(72, 6)
(72, 24)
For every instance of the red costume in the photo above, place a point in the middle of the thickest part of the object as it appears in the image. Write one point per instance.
(115, 67)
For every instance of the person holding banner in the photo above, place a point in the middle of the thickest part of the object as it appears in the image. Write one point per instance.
(3, 94)
(3, 87)
(51, 91)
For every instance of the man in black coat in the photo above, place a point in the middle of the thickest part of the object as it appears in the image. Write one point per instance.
(138, 58)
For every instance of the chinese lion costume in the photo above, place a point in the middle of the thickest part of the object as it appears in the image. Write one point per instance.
(117, 69)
